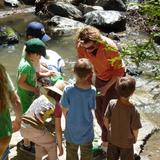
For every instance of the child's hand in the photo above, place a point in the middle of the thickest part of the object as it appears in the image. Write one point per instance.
(36, 91)
(50, 73)
(16, 125)
(60, 150)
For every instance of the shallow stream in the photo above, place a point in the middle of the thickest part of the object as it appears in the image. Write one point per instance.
(10, 57)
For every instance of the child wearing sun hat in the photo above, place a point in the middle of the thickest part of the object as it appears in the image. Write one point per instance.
(33, 122)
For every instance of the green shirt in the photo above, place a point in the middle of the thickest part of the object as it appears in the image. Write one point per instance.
(5, 120)
(26, 68)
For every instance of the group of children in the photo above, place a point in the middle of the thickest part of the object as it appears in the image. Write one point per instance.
(77, 102)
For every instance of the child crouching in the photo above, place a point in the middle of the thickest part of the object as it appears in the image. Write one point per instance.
(33, 123)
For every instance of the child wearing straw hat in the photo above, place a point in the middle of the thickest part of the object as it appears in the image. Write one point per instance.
(33, 122)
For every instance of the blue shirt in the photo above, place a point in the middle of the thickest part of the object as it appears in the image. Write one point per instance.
(79, 119)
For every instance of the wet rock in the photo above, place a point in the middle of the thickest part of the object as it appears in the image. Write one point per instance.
(63, 26)
(117, 5)
(107, 21)
(28, 2)
(12, 3)
(65, 10)
(88, 8)
(113, 36)
(157, 38)
(5, 14)
(133, 71)
(8, 35)
(132, 7)
(147, 130)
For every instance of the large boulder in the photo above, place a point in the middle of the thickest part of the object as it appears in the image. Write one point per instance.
(28, 2)
(107, 21)
(62, 26)
(117, 5)
(88, 2)
(65, 10)
(88, 8)
(8, 35)
(12, 3)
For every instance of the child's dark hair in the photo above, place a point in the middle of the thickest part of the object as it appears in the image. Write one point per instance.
(54, 95)
(125, 86)
(83, 67)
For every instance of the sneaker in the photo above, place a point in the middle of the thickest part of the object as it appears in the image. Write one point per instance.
(27, 149)
(104, 146)
(98, 153)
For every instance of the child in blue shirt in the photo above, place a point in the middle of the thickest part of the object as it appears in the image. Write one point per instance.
(78, 101)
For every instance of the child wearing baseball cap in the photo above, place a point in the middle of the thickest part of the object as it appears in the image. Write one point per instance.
(36, 30)
(26, 76)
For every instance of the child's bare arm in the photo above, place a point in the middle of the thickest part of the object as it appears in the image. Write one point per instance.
(48, 73)
(45, 72)
(64, 110)
(22, 83)
(59, 135)
(16, 103)
(135, 133)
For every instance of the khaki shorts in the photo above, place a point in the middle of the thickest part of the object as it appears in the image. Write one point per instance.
(45, 143)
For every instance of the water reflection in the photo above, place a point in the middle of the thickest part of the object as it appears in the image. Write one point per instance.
(10, 56)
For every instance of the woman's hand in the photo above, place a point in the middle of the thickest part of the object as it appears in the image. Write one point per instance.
(102, 91)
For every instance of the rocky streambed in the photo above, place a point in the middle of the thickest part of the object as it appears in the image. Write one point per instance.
(146, 97)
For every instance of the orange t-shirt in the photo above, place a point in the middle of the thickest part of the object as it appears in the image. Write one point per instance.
(107, 61)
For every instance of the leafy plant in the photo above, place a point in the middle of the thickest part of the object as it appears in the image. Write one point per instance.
(140, 53)
(151, 9)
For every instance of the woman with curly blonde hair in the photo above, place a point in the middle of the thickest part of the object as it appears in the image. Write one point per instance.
(105, 57)
(7, 96)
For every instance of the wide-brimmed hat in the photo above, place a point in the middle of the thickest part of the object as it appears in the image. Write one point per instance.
(35, 45)
(58, 87)
(37, 30)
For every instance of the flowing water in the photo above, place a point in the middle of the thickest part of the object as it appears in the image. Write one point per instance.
(10, 57)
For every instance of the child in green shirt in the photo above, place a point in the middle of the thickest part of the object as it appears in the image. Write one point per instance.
(7, 95)
(26, 75)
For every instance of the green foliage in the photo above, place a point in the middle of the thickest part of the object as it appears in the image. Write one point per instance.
(151, 9)
(140, 53)
(146, 52)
